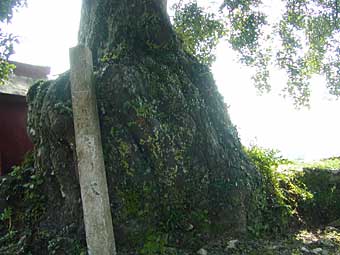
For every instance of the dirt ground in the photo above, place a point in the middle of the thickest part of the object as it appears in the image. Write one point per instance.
(318, 241)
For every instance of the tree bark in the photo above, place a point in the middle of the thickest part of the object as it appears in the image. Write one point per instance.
(107, 26)
(164, 5)
(172, 155)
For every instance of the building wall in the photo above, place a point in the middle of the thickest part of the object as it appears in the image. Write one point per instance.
(14, 141)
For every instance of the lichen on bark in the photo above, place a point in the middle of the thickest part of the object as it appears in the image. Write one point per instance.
(173, 158)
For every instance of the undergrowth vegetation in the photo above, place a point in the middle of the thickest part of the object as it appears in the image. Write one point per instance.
(284, 191)
(22, 206)
(298, 195)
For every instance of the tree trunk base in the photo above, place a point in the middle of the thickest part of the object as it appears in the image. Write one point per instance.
(174, 163)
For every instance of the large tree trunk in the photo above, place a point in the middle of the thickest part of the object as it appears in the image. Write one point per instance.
(172, 155)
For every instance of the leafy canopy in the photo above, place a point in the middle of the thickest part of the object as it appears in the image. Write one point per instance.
(302, 37)
(7, 7)
(199, 30)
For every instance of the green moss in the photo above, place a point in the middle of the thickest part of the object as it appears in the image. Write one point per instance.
(64, 108)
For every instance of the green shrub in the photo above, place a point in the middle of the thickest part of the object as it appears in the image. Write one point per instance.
(21, 210)
(284, 191)
(21, 206)
(327, 164)
(321, 180)
(275, 211)
(296, 192)
(325, 205)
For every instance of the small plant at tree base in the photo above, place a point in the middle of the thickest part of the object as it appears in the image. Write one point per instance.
(6, 217)
(154, 245)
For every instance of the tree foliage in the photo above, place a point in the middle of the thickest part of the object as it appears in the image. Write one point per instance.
(200, 31)
(303, 39)
(7, 8)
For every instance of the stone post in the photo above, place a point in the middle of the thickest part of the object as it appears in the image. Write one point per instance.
(92, 176)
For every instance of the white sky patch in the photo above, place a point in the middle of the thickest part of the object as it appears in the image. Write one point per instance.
(48, 28)
(272, 121)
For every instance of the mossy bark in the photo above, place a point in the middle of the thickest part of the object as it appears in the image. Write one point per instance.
(174, 163)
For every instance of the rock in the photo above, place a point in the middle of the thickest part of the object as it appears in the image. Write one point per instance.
(304, 249)
(232, 244)
(317, 250)
(202, 252)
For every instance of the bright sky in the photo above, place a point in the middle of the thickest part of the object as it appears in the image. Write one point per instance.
(48, 28)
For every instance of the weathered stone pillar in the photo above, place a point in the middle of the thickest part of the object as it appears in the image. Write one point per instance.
(92, 176)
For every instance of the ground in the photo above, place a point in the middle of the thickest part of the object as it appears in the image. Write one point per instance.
(318, 241)
(324, 241)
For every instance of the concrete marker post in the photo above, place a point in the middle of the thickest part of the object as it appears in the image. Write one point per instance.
(92, 176)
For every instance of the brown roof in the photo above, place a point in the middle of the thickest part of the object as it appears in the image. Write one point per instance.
(31, 71)
(24, 76)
